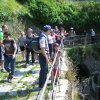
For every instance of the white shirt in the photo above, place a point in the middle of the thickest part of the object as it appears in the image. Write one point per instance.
(50, 39)
(92, 33)
(43, 41)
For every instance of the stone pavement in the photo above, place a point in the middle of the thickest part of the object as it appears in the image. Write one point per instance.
(22, 84)
(25, 84)
(61, 95)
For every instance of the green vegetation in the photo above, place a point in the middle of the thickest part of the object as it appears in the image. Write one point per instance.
(26, 13)
(79, 54)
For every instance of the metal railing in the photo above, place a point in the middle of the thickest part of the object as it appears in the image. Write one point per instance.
(49, 75)
(76, 40)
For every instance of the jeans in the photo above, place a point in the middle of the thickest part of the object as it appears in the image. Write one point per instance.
(43, 70)
(9, 61)
(50, 49)
(28, 51)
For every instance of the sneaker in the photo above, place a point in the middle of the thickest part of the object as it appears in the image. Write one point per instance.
(36, 61)
(2, 70)
(10, 77)
(32, 64)
(26, 65)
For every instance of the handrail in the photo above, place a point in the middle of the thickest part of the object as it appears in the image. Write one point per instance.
(53, 84)
(49, 74)
(80, 40)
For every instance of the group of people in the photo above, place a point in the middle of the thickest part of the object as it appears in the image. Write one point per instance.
(49, 41)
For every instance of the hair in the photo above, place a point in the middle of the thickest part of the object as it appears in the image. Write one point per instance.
(7, 34)
(4, 26)
(61, 28)
(22, 32)
(30, 30)
(56, 44)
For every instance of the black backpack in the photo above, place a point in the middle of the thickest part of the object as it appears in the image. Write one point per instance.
(35, 43)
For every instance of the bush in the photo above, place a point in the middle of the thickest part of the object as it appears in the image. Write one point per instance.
(82, 16)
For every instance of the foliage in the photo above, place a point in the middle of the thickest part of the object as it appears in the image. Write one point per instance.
(84, 15)
(79, 54)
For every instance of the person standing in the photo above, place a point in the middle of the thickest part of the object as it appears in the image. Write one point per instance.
(22, 43)
(56, 30)
(10, 48)
(56, 64)
(51, 41)
(29, 49)
(92, 36)
(72, 32)
(1, 51)
(44, 55)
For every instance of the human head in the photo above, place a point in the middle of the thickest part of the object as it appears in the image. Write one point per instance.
(62, 29)
(52, 32)
(4, 28)
(7, 35)
(29, 31)
(0, 29)
(56, 27)
(47, 29)
(56, 46)
(91, 29)
(71, 28)
(22, 33)
(58, 37)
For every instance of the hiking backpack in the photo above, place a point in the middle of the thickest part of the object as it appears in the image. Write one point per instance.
(35, 43)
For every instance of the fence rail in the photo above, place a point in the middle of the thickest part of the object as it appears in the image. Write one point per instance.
(80, 40)
(49, 76)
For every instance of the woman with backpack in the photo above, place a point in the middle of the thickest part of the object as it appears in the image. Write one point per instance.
(29, 48)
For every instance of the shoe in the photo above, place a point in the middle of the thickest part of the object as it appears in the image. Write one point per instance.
(2, 70)
(10, 77)
(40, 87)
(26, 65)
(32, 64)
(36, 61)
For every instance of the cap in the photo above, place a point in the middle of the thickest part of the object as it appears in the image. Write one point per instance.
(30, 30)
(0, 29)
(72, 28)
(47, 27)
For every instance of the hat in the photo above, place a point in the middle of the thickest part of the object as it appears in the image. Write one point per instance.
(0, 29)
(47, 27)
(71, 28)
(30, 30)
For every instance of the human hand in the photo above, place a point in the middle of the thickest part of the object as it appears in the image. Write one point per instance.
(13, 56)
(47, 61)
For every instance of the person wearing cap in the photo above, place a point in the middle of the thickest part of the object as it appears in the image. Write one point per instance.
(10, 48)
(1, 51)
(71, 36)
(72, 32)
(44, 55)
(29, 38)
(92, 36)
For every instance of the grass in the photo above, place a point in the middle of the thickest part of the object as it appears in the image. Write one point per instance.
(28, 92)
(21, 94)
